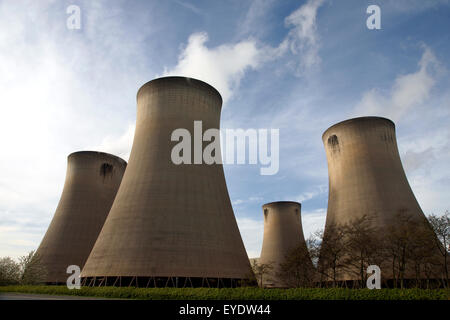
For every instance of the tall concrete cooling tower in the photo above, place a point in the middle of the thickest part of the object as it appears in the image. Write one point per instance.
(170, 225)
(92, 181)
(366, 177)
(283, 233)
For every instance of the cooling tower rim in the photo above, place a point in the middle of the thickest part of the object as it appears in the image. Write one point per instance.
(281, 202)
(119, 159)
(187, 79)
(357, 119)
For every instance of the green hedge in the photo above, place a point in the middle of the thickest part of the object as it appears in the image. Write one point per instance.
(237, 293)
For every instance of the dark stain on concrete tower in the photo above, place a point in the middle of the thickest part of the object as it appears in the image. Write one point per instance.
(366, 177)
(86, 199)
(170, 225)
(283, 233)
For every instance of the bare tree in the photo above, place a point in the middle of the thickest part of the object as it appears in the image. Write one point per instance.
(362, 247)
(332, 251)
(410, 246)
(297, 269)
(313, 243)
(398, 246)
(9, 271)
(250, 279)
(262, 271)
(441, 227)
(423, 254)
(32, 270)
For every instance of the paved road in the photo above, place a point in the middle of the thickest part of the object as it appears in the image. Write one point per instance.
(29, 296)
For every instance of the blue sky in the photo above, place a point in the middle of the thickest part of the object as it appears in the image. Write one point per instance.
(296, 66)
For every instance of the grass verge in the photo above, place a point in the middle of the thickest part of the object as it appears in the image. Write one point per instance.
(237, 293)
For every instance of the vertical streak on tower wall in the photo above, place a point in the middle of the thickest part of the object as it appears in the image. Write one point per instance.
(92, 181)
(366, 177)
(170, 220)
(282, 233)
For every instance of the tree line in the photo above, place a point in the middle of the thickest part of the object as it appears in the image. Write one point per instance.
(410, 253)
(28, 270)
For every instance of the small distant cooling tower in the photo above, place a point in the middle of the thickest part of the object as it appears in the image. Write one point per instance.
(282, 234)
(170, 225)
(92, 181)
(366, 177)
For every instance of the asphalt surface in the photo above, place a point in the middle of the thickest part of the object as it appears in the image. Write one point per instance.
(29, 296)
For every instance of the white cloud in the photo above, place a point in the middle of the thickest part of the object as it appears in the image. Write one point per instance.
(413, 160)
(255, 21)
(426, 165)
(190, 7)
(408, 91)
(118, 145)
(223, 66)
(431, 192)
(303, 38)
(242, 201)
(308, 195)
(19, 236)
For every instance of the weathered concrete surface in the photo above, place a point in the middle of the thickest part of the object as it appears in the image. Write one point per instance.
(92, 181)
(170, 220)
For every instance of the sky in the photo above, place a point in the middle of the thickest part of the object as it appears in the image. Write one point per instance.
(296, 66)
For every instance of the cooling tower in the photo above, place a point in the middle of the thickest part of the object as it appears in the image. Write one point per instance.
(366, 177)
(283, 234)
(92, 181)
(170, 225)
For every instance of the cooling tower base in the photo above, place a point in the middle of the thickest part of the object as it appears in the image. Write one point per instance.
(162, 282)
